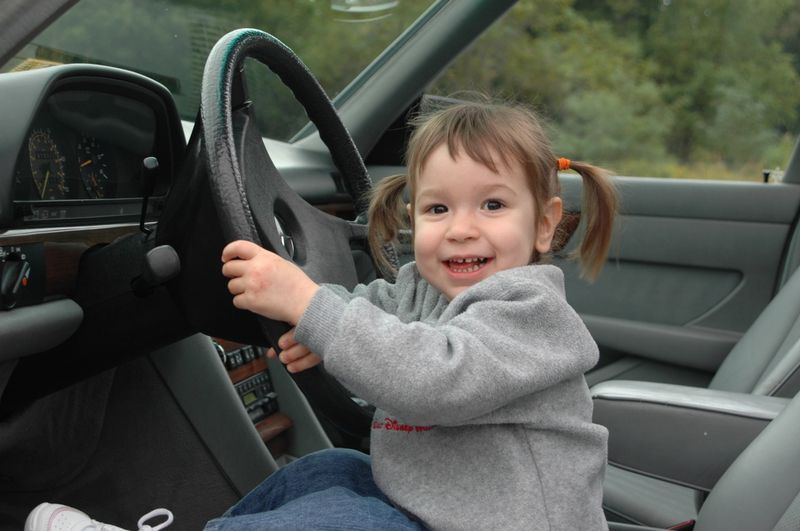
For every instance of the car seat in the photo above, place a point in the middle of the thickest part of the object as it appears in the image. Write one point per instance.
(765, 361)
(760, 491)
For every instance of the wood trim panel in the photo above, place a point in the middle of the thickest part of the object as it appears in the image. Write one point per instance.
(63, 248)
(272, 426)
(86, 235)
(61, 266)
(256, 366)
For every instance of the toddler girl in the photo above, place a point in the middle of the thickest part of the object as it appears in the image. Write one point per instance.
(472, 357)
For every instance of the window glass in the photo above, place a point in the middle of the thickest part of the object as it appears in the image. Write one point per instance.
(169, 40)
(669, 88)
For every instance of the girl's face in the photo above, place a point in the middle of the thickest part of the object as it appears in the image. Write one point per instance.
(470, 222)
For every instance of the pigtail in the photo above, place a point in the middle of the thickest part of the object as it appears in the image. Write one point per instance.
(598, 210)
(387, 215)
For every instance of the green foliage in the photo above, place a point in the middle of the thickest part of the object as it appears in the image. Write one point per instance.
(604, 126)
(674, 88)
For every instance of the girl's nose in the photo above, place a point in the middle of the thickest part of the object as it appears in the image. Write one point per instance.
(462, 227)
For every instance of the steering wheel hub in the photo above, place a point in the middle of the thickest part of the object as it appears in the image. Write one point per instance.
(286, 241)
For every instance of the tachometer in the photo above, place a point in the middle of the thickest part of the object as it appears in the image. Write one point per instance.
(96, 167)
(47, 165)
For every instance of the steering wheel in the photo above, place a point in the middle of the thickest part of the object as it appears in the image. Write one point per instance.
(255, 203)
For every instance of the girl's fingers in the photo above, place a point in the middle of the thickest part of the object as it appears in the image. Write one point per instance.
(294, 353)
(240, 302)
(239, 249)
(234, 268)
(287, 339)
(304, 363)
(235, 286)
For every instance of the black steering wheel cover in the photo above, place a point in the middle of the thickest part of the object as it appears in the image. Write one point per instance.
(229, 187)
(225, 58)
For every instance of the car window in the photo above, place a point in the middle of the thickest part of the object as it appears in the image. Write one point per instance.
(668, 88)
(169, 40)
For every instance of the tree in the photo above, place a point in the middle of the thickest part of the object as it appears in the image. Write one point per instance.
(698, 82)
(716, 55)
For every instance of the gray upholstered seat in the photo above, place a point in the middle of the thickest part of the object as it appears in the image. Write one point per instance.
(765, 361)
(760, 491)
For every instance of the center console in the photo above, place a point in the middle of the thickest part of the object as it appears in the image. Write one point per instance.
(248, 371)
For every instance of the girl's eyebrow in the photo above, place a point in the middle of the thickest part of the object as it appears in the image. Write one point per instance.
(487, 188)
(492, 187)
(432, 192)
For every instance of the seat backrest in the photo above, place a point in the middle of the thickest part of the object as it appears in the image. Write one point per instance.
(766, 360)
(760, 491)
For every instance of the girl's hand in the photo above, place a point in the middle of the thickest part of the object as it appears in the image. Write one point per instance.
(265, 283)
(296, 356)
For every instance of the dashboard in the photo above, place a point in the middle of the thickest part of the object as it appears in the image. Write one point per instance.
(87, 155)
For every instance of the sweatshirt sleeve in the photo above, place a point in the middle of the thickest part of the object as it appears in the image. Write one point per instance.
(504, 339)
(379, 292)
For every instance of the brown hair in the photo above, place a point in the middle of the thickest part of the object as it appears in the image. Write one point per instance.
(514, 134)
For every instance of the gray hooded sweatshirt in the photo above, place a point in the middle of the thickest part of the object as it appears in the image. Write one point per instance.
(484, 418)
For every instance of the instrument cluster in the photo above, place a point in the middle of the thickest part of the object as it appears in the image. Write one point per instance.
(85, 145)
(72, 165)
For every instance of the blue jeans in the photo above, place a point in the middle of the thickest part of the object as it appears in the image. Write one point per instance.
(330, 489)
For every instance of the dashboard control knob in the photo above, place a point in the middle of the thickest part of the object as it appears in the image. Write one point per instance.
(161, 264)
(15, 273)
(223, 356)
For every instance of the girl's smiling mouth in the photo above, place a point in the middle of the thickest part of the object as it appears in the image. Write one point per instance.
(466, 265)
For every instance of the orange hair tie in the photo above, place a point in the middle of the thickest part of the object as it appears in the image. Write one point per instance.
(563, 164)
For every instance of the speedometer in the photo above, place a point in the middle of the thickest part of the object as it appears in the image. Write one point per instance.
(47, 165)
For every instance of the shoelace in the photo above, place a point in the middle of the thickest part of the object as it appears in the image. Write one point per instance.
(153, 514)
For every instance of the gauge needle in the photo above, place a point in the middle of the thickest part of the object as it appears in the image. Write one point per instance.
(44, 186)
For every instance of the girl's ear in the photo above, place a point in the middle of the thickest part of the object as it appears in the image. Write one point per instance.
(551, 216)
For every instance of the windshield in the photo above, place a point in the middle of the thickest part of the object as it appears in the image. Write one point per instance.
(169, 40)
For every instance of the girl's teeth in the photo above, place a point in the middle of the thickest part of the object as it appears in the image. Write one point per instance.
(468, 265)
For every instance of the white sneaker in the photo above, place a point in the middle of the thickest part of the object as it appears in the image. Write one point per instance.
(56, 517)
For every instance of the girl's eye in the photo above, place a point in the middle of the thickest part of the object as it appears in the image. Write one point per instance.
(437, 209)
(492, 204)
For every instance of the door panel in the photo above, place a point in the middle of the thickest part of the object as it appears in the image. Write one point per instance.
(714, 273)
(680, 295)
(692, 264)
